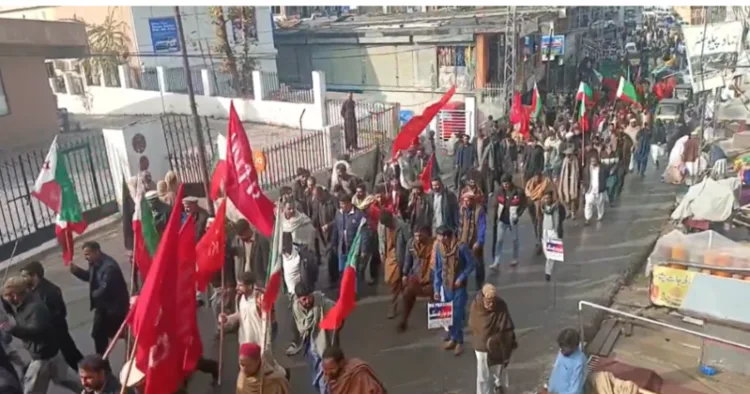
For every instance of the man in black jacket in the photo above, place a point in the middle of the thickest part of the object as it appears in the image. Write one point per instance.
(108, 293)
(9, 382)
(52, 297)
(34, 325)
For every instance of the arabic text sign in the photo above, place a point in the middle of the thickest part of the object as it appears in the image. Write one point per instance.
(558, 45)
(669, 286)
(712, 57)
(554, 250)
(164, 35)
(439, 315)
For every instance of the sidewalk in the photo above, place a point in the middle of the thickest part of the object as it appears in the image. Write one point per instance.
(673, 355)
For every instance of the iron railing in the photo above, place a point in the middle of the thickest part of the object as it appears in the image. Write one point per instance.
(27, 223)
(183, 152)
(174, 79)
(144, 78)
(283, 159)
(375, 121)
(275, 91)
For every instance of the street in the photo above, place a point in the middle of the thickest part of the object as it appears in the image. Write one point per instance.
(414, 362)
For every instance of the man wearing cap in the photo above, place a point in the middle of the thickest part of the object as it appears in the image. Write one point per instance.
(568, 184)
(34, 325)
(199, 215)
(454, 263)
(159, 210)
(472, 227)
(258, 376)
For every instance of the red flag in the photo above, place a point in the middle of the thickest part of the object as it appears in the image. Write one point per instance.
(217, 179)
(516, 109)
(141, 255)
(163, 320)
(427, 174)
(418, 123)
(241, 183)
(211, 248)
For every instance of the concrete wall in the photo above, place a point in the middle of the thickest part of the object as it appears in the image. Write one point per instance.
(33, 113)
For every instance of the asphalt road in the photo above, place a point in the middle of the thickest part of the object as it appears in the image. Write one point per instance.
(413, 362)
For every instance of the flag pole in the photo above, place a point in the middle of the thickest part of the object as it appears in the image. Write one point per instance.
(221, 328)
(124, 388)
(10, 261)
(115, 338)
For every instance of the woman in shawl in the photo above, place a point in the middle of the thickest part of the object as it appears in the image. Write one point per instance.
(493, 338)
(569, 183)
(535, 188)
(258, 376)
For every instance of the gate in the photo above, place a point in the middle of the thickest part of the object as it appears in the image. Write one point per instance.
(451, 122)
(26, 223)
(183, 152)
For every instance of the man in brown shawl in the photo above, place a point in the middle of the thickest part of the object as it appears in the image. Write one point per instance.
(417, 271)
(393, 234)
(493, 338)
(258, 376)
(349, 113)
(349, 375)
(535, 188)
(569, 182)
(472, 227)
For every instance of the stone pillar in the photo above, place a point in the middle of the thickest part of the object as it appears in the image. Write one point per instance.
(162, 79)
(122, 72)
(206, 80)
(319, 96)
(258, 92)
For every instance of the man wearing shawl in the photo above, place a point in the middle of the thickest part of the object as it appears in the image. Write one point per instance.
(454, 263)
(418, 210)
(393, 235)
(408, 164)
(298, 225)
(417, 271)
(371, 206)
(535, 188)
(473, 183)
(511, 203)
(568, 184)
(256, 375)
(308, 310)
(493, 338)
(472, 227)
(349, 375)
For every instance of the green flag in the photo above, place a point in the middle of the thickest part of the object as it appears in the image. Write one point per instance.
(626, 91)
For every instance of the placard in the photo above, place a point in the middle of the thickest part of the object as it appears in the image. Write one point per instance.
(554, 249)
(669, 286)
(439, 315)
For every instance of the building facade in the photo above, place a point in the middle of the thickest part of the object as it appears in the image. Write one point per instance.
(696, 15)
(28, 109)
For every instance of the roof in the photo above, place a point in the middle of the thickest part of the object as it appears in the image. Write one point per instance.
(453, 22)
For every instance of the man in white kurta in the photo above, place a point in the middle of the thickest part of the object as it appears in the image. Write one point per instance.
(248, 320)
(594, 198)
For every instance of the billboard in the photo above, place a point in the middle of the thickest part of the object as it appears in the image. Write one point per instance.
(557, 48)
(712, 57)
(164, 35)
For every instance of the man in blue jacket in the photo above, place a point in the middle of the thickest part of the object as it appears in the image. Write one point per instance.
(454, 263)
(348, 219)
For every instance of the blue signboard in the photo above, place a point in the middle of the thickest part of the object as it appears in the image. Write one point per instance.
(558, 45)
(164, 35)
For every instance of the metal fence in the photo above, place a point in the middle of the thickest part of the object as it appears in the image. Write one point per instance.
(283, 159)
(176, 82)
(375, 121)
(275, 91)
(23, 219)
(183, 152)
(144, 78)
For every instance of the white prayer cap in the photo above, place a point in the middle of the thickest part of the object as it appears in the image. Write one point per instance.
(152, 195)
(189, 199)
(135, 377)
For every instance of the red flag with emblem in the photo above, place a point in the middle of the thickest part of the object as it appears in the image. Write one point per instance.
(241, 183)
(164, 319)
(211, 248)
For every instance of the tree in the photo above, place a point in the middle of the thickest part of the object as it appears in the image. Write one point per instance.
(109, 45)
(236, 58)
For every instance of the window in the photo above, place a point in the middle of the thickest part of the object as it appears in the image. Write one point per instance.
(4, 110)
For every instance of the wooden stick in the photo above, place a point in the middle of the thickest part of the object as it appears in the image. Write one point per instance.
(115, 338)
(221, 328)
(130, 365)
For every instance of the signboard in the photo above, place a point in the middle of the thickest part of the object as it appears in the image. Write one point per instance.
(164, 35)
(557, 47)
(669, 286)
(712, 58)
(554, 250)
(439, 315)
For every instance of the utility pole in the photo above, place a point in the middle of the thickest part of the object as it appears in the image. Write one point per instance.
(547, 81)
(194, 110)
(510, 59)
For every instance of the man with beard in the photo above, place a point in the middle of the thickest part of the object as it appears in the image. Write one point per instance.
(159, 210)
(51, 295)
(298, 225)
(323, 216)
(306, 202)
(443, 205)
(454, 263)
(346, 226)
(533, 159)
(247, 320)
(511, 203)
(199, 215)
(300, 184)
(308, 310)
(345, 181)
(417, 271)
(251, 251)
(466, 158)
(493, 338)
(568, 184)
(349, 375)
(96, 377)
(258, 376)
(535, 189)
(472, 227)
(418, 210)
(553, 215)
(473, 183)
(393, 235)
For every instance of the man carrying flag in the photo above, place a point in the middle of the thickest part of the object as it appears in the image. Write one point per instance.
(308, 311)
(55, 189)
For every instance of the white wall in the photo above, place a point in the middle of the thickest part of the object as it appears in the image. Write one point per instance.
(200, 36)
(119, 101)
